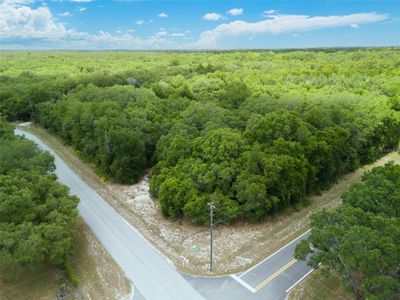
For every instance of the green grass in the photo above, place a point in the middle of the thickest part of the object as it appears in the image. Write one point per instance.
(318, 287)
(40, 283)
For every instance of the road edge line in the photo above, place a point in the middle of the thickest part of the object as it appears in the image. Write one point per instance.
(243, 283)
(298, 281)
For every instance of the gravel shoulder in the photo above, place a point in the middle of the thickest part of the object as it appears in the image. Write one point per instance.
(236, 247)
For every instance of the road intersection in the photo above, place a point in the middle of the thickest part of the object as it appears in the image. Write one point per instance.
(272, 278)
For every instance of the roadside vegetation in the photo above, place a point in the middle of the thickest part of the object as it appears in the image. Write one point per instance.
(37, 215)
(360, 240)
(255, 132)
(99, 277)
(44, 252)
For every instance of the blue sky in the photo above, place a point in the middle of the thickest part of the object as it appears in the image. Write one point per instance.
(135, 25)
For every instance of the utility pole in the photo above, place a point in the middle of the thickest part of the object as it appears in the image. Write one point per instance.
(212, 207)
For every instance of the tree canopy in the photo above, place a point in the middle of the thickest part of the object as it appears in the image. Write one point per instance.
(37, 215)
(361, 239)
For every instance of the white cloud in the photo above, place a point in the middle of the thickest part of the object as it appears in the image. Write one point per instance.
(356, 26)
(178, 34)
(76, 1)
(270, 12)
(23, 27)
(25, 22)
(140, 22)
(235, 11)
(16, 2)
(276, 24)
(163, 15)
(82, 8)
(212, 17)
(65, 14)
(162, 32)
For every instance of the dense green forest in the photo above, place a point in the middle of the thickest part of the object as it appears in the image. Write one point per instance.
(361, 239)
(37, 215)
(253, 131)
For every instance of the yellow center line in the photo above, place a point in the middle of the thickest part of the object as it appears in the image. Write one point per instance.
(270, 278)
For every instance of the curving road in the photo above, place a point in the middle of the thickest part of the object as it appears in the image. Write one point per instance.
(153, 276)
(144, 266)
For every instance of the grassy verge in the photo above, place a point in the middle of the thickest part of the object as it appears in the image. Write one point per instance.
(237, 247)
(41, 283)
(317, 287)
(98, 275)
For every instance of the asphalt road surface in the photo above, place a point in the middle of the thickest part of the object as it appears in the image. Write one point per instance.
(153, 276)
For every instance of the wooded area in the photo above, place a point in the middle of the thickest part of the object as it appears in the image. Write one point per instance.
(253, 131)
(37, 215)
(361, 239)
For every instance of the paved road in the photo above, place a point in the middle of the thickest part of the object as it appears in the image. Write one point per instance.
(146, 268)
(271, 279)
(153, 276)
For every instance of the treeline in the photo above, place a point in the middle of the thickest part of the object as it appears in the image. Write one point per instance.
(37, 215)
(19, 96)
(255, 132)
(361, 239)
